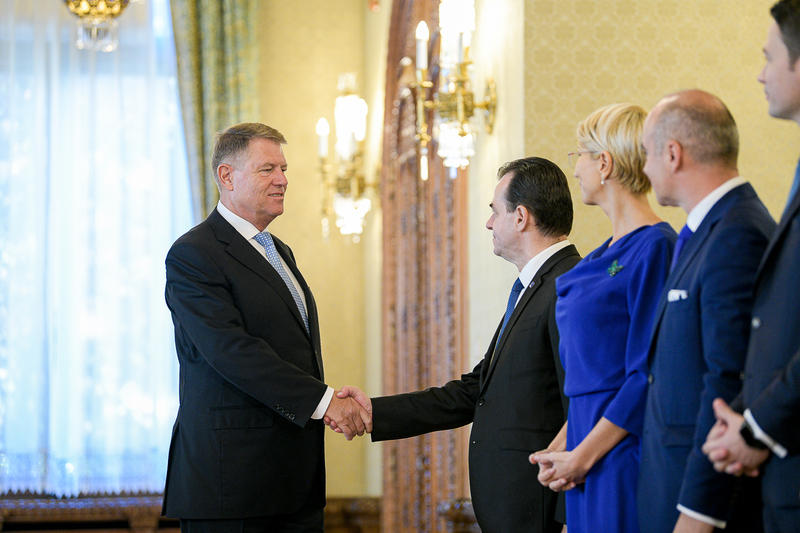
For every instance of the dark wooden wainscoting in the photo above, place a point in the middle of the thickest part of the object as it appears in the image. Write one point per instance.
(141, 514)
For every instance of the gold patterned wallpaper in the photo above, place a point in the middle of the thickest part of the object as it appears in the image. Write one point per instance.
(582, 54)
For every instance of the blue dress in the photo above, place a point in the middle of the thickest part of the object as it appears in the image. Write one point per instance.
(605, 310)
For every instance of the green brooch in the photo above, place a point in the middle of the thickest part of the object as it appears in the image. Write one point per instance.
(614, 269)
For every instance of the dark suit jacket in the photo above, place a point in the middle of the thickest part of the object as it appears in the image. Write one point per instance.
(515, 403)
(772, 373)
(243, 444)
(697, 353)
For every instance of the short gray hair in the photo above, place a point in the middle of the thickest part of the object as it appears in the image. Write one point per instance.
(236, 139)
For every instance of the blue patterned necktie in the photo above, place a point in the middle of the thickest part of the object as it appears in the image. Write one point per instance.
(793, 190)
(512, 302)
(683, 236)
(265, 239)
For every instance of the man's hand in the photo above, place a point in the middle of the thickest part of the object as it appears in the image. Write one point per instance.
(345, 415)
(687, 524)
(726, 448)
(356, 394)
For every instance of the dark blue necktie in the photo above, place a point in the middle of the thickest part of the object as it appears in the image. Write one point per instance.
(683, 236)
(512, 302)
(793, 190)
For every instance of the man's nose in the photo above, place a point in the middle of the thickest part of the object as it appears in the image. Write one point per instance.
(281, 178)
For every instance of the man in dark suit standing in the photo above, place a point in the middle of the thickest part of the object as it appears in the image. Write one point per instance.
(698, 344)
(765, 438)
(247, 445)
(513, 396)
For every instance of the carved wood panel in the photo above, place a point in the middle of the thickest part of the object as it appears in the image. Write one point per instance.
(424, 279)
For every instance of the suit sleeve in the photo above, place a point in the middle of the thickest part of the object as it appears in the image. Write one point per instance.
(626, 410)
(726, 301)
(210, 326)
(434, 409)
(777, 408)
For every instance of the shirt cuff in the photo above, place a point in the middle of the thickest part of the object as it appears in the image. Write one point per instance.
(319, 412)
(701, 517)
(761, 435)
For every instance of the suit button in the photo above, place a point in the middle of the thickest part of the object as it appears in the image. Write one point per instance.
(756, 322)
(650, 378)
(481, 402)
(474, 442)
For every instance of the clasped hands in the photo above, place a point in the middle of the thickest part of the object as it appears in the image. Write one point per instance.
(349, 413)
(559, 470)
(725, 446)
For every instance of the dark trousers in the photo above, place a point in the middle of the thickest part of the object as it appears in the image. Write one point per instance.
(304, 521)
(782, 519)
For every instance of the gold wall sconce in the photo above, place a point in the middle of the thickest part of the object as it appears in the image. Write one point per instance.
(97, 28)
(454, 102)
(345, 198)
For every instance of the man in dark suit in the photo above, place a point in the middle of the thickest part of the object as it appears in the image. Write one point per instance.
(247, 445)
(513, 396)
(698, 344)
(765, 438)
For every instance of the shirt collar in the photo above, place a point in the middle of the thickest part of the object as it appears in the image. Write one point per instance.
(532, 267)
(245, 228)
(700, 211)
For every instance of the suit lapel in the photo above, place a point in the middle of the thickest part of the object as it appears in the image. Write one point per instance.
(693, 247)
(243, 252)
(783, 226)
(496, 350)
(311, 305)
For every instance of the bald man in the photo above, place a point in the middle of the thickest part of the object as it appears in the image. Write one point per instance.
(699, 339)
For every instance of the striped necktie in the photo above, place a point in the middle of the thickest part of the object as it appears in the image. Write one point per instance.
(265, 239)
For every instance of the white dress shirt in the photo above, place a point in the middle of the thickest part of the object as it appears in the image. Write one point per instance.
(532, 267)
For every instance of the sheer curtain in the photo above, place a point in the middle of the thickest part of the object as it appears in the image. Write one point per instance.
(93, 190)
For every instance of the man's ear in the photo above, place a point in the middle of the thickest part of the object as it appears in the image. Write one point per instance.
(521, 217)
(673, 152)
(225, 176)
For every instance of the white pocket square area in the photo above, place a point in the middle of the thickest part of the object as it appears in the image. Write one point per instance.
(676, 294)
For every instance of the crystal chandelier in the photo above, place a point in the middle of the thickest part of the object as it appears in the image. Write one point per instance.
(96, 28)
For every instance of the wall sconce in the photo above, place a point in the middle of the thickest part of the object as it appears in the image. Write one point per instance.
(454, 103)
(344, 189)
(96, 28)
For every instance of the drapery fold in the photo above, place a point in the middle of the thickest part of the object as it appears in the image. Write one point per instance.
(93, 191)
(216, 71)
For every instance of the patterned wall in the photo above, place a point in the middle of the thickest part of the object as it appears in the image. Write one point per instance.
(581, 54)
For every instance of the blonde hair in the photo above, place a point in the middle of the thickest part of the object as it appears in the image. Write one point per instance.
(617, 129)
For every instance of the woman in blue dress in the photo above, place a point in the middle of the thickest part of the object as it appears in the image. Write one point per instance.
(605, 309)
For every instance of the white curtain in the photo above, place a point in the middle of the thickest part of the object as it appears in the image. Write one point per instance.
(93, 190)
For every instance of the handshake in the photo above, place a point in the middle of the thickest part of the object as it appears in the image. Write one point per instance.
(350, 412)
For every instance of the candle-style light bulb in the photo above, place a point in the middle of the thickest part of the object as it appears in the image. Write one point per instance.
(323, 130)
(422, 35)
